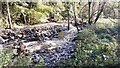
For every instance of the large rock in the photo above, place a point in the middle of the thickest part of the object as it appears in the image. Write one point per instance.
(1, 46)
(1, 40)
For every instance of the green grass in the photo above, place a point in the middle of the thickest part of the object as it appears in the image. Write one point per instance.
(96, 45)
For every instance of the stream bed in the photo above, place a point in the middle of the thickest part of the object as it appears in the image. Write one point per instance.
(53, 43)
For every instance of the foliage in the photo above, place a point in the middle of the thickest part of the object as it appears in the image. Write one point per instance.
(4, 57)
(26, 61)
(30, 13)
(95, 47)
(30, 16)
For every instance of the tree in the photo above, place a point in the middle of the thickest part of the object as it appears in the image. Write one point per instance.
(0, 14)
(68, 9)
(101, 5)
(9, 18)
(89, 8)
(91, 11)
(75, 20)
(6, 14)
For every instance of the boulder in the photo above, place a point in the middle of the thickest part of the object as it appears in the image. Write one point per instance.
(1, 40)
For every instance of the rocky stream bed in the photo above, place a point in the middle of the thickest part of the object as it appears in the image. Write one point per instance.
(53, 42)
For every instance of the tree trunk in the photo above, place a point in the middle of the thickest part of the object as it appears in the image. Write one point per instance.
(92, 11)
(24, 18)
(68, 20)
(68, 15)
(99, 12)
(0, 14)
(89, 7)
(6, 20)
(75, 20)
(9, 18)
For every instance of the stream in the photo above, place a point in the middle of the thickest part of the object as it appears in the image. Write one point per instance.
(51, 41)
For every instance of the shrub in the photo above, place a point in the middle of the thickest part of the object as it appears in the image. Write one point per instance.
(4, 57)
(93, 48)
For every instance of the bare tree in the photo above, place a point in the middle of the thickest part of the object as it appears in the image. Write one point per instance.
(75, 20)
(68, 8)
(9, 18)
(93, 8)
(89, 8)
(6, 14)
(24, 17)
(101, 7)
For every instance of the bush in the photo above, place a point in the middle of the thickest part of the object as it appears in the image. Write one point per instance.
(94, 48)
(4, 57)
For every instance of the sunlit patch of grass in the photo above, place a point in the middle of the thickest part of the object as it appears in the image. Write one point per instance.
(103, 24)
